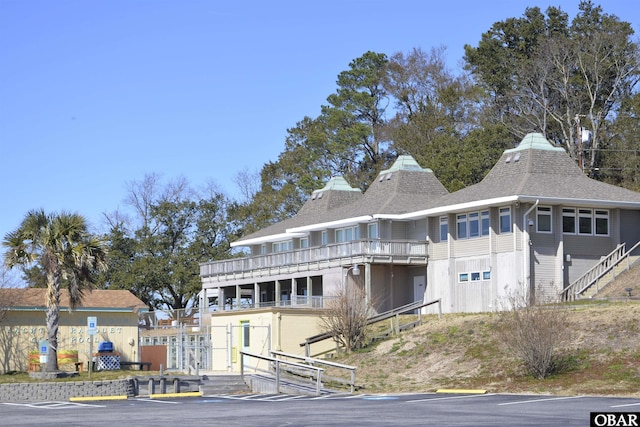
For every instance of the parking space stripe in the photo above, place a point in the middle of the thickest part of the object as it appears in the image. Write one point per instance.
(439, 399)
(625, 405)
(54, 405)
(159, 401)
(523, 402)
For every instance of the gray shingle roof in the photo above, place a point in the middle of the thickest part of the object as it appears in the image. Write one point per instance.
(534, 169)
(318, 207)
(405, 187)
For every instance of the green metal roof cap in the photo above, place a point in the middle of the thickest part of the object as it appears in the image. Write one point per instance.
(337, 183)
(405, 163)
(534, 141)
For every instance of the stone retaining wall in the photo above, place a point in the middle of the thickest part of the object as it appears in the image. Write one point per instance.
(56, 391)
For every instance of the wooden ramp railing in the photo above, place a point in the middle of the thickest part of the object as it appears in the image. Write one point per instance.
(396, 312)
(595, 273)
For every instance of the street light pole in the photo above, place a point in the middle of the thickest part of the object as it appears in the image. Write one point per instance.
(355, 270)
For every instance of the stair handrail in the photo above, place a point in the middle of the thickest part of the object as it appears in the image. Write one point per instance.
(314, 371)
(313, 361)
(594, 274)
(624, 257)
(374, 319)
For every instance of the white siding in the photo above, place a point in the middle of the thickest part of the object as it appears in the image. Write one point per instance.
(471, 247)
(438, 251)
(504, 242)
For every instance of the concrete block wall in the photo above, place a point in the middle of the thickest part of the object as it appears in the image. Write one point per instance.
(57, 391)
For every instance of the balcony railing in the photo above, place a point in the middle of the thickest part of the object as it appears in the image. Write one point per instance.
(397, 249)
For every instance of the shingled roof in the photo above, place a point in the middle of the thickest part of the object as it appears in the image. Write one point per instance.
(537, 169)
(534, 170)
(96, 300)
(404, 187)
(335, 194)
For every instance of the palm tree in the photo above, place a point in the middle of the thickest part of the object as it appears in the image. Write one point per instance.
(67, 254)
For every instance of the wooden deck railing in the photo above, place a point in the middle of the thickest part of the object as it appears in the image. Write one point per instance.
(366, 247)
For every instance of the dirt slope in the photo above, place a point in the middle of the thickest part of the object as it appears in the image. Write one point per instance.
(462, 351)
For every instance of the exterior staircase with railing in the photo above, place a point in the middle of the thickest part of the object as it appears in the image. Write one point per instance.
(601, 274)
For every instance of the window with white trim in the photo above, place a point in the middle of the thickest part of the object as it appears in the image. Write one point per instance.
(569, 220)
(444, 228)
(462, 226)
(602, 222)
(505, 220)
(372, 230)
(347, 234)
(484, 223)
(304, 242)
(543, 223)
(475, 276)
(283, 246)
(324, 237)
(473, 224)
(463, 277)
(585, 221)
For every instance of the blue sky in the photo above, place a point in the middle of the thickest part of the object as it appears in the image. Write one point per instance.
(95, 94)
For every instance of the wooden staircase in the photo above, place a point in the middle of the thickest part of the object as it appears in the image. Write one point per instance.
(608, 278)
(601, 274)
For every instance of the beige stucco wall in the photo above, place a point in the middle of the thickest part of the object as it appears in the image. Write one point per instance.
(20, 332)
(277, 328)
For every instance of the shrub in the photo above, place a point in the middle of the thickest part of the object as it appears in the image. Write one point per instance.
(346, 318)
(534, 333)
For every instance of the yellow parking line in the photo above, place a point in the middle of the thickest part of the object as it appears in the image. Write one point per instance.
(186, 394)
(91, 398)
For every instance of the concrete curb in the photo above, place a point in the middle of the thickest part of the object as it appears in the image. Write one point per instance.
(94, 398)
(461, 391)
(185, 394)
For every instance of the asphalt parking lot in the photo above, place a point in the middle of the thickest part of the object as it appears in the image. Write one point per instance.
(351, 410)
